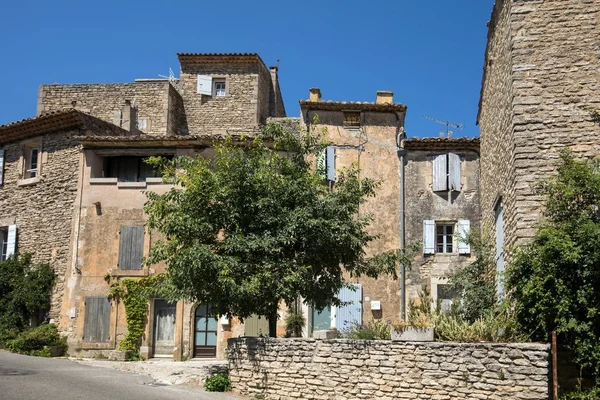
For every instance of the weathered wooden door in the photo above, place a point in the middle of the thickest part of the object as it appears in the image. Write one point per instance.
(205, 335)
(164, 328)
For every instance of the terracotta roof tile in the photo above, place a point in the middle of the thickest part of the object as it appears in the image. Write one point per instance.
(351, 105)
(432, 142)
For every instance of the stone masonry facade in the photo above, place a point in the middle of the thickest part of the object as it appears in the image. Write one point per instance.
(345, 369)
(541, 69)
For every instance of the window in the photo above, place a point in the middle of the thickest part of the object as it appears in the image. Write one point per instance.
(445, 298)
(352, 119)
(446, 172)
(8, 241)
(442, 237)
(96, 324)
(142, 124)
(131, 247)
(31, 158)
(219, 90)
(129, 169)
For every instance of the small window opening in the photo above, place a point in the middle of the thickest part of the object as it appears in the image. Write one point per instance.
(130, 168)
(31, 162)
(352, 119)
(444, 236)
(3, 244)
(220, 88)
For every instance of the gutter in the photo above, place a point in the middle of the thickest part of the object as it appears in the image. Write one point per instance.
(401, 155)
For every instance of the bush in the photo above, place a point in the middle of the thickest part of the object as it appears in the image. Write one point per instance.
(492, 327)
(372, 330)
(294, 323)
(218, 383)
(36, 341)
(581, 394)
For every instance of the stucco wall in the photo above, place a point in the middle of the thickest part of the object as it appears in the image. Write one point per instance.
(346, 369)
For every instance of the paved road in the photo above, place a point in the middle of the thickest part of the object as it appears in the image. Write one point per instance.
(35, 378)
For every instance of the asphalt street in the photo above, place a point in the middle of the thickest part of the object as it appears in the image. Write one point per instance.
(35, 378)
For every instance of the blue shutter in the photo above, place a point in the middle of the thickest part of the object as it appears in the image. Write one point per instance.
(428, 236)
(96, 322)
(330, 162)
(440, 173)
(464, 226)
(352, 312)
(131, 247)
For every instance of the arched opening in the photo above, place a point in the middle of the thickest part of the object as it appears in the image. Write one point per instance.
(205, 332)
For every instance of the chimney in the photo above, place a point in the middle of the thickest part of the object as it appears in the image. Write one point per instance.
(126, 118)
(384, 96)
(315, 94)
(274, 110)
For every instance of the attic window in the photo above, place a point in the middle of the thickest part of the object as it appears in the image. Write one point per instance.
(352, 119)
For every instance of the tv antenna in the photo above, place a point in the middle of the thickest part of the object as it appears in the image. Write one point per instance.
(172, 79)
(448, 124)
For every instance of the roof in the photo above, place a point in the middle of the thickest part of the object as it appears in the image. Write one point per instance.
(56, 121)
(351, 106)
(204, 58)
(442, 143)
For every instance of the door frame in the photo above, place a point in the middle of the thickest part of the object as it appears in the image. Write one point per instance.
(154, 329)
(211, 351)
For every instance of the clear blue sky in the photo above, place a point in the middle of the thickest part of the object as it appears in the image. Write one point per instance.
(429, 53)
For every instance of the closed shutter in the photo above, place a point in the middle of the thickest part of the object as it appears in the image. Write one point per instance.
(499, 251)
(96, 324)
(1, 166)
(11, 241)
(330, 163)
(322, 164)
(351, 312)
(440, 174)
(454, 171)
(256, 326)
(428, 237)
(131, 247)
(464, 226)
(204, 85)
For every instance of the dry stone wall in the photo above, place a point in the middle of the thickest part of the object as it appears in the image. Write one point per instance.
(385, 370)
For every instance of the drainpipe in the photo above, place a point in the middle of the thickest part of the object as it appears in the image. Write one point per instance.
(401, 154)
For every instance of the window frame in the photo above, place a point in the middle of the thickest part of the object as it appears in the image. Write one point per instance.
(352, 125)
(29, 161)
(3, 243)
(447, 238)
(216, 91)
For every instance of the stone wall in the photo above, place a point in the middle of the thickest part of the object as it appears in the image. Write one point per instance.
(43, 208)
(542, 66)
(385, 370)
(103, 100)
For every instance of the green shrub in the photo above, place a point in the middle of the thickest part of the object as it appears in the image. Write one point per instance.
(218, 383)
(294, 323)
(582, 394)
(36, 341)
(372, 330)
(492, 327)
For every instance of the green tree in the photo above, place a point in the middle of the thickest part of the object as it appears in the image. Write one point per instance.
(255, 225)
(555, 280)
(25, 289)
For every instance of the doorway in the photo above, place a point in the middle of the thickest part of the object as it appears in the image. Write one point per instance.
(205, 333)
(164, 328)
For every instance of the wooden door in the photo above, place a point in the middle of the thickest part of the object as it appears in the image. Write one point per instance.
(205, 334)
(164, 328)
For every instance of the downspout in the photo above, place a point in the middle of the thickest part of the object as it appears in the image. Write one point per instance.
(401, 154)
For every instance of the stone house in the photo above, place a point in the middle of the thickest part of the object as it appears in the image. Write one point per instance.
(73, 188)
(429, 195)
(540, 72)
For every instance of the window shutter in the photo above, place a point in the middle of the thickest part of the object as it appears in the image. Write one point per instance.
(428, 237)
(454, 171)
(117, 116)
(351, 312)
(256, 325)
(440, 178)
(1, 166)
(464, 226)
(322, 164)
(11, 245)
(330, 163)
(131, 247)
(96, 323)
(204, 85)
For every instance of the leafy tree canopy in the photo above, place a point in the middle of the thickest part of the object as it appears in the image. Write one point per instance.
(256, 224)
(555, 280)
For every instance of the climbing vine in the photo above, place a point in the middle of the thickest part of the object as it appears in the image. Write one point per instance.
(135, 294)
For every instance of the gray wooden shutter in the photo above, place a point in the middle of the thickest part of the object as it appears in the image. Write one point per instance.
(1, 166)
(96, 324)
(11, 240)
(131, 247)
(499, 251)
(440, 175)
(350, 313)
(204, 85)
(256, 326)
(454, 171)
(428, 236)
(330, 163)
(464, 226)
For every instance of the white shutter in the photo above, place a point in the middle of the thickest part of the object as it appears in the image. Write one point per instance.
(1, 166)
(11, 242)
(322, 164)
(204, 85)
(330, 163)
(428, 237)
(454, 171)
(440, 174)
(464, 226)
